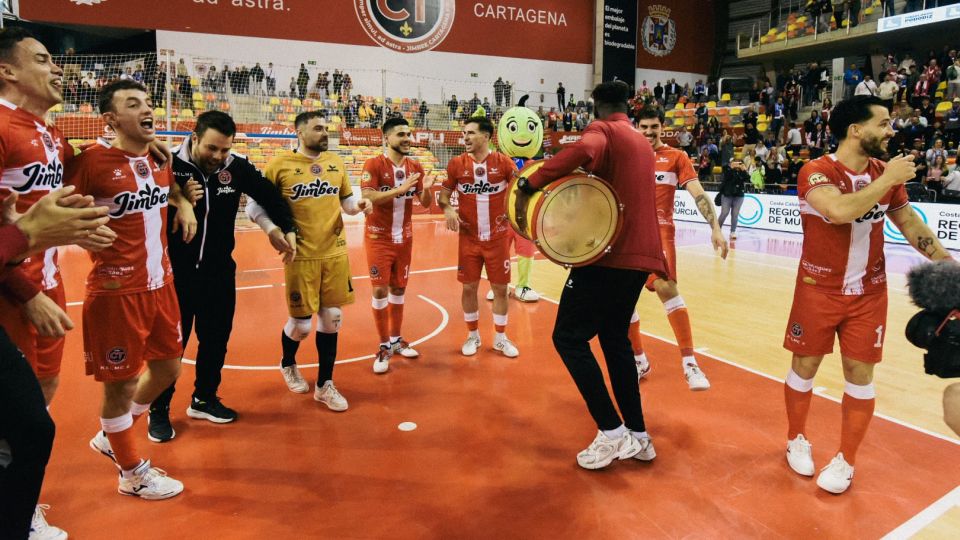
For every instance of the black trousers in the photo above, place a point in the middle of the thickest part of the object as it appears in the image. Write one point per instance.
(28, 430)
(599, 301)
(207, 302)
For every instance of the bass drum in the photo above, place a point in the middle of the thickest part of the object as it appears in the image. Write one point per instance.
(573, 220)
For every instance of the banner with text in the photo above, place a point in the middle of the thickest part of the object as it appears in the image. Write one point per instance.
(782, 213)
(535, 29)
(620, 40)
(919, 18)
(676, 35)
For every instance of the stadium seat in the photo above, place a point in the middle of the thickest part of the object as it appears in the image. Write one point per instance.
(159, 111)
(266, 108)
(725, 97)
(943, 107)
(711, 104)
(308, 103)
(224, 106)
(761, 127)
(679, 122)
(942, 85)
(291, 117)
(186, 113)
(197, 96)
(86, 108)
(678, 106)
(335, 119)
(669, 114)
(57, 108)
(274, 100)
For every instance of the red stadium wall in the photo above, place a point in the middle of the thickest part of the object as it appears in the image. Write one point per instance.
(534, 29)
(678, 35)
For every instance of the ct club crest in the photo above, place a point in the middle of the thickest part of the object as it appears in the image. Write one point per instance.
(659, 31)
(408, 26)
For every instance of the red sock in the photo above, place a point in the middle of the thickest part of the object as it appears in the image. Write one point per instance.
(797, 393)
(680, 322)
(120, 434)
(856, 414)
(396, 318)
(634, 333)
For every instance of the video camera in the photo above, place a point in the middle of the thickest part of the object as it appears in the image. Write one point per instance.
(935, 288)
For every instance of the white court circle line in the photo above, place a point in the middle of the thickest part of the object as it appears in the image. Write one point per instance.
(443, 324)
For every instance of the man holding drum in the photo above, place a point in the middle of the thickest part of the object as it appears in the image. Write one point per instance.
(673, 170)
(613, 150)
(480, 178)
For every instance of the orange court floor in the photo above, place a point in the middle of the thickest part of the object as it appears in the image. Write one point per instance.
(493, 451)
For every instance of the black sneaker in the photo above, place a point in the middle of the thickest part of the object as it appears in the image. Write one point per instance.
(159, 429)
(211, 410)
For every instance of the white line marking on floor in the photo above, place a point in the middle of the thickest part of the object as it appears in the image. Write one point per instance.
(436, 331)
(925, 517)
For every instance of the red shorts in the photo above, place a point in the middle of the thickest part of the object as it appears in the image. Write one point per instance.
(523, 247)
(121, 332)
(389, 263)
(669, 245)
(816, 317)
(43, 353)
(474, 255)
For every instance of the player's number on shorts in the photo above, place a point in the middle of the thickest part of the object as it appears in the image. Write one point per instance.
(879, 342)
(506, 266)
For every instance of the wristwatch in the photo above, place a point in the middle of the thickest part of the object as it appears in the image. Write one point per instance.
(523, 184)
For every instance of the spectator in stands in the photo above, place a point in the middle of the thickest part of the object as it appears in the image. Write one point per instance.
(245, 80)
(773, 169)
(583, 119)
(933, 73)
(913, 129)
(561, 96)
(867, 87)
(210, 82)
(811, 124)
(337, 81)
(452, 105)
(658, 93)
(779, 114)
(760, 153)
(819, 11)
(365, 115)
(927, 110)
(937, 150)
(568, 117)
(474, 102)
(951, 127)
(182, 69)
(847, 9)
(751, 136)
(888, 90)
(852, 77)
(936, 174)
(257, 75)
(347, 84)
(672, 89)
(794, 139)
(553, 120)
(270, 76)
(571, 101)
(749, 115)
(792, 171)
(293, 86)
(712, 151)
(921, 90)
(685, 140)
(913, 5)
(422, 118)
(816, 140)
(953, 80)
(951, 184)
(702, 113)
(732, 190)
(699, 91)
(889, 64)
(767, 96)
(507, 94)
(498, 91)
(727, 148)
(303, 79)
(922, 167)
(907, 61)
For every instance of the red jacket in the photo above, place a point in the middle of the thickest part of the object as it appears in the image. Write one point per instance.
(13, 282)
(613, 150)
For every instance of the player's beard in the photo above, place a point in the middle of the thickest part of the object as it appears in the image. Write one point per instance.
(874, 147)
(318, 147)
(399, 149)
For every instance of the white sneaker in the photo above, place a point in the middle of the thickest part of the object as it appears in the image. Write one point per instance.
(381, 364)
(836, 476)
(470, 346)
(695, 378)
(41, 530)
(526, 294)
(404, 349)
(295, 381)
(647, 451)
(100, 443)
(603, 450)
(149, 483)
(490, 295)
(643, 366)
(506, 348)
(800, 456)
(330, 396)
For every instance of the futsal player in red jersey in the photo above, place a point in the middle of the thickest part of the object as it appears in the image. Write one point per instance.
(841, 287)
(130, 312)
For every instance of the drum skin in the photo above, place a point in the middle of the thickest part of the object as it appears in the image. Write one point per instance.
(572, 221)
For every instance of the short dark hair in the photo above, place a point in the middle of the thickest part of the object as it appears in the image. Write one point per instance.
(649, 113)
(9, 37)
(484, 125)
(392, 123)
(852, 111)
(307, 116)
(105, 99)
(217, 120)
(611, 95)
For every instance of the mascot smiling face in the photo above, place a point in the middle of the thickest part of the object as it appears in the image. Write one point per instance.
(520, 133)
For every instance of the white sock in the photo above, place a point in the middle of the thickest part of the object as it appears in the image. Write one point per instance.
(689, 361)
(394, 339)
(639, 435)
(128, 474)
(500, 336)
(474, 334)
(616, 433)
(137, 409)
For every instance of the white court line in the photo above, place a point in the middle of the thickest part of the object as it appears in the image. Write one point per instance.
(926, 516)
(443, 324)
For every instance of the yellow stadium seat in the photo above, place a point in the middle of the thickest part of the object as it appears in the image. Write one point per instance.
(333, 127)
(197, 96)
(761, 127)
(159, 111)
(678, 106)
(186, 113)
(669, 114)
(711, 104)
(942, 85)
(335, 119)
(791, 27)
(57, 108)
(334, 97)
(266, 108)
(194, 82)
(274, 100)
(735, 111)
(679, 121)
(296, 102)
(291, 117)
(943, 106)
(725, 97)
(717, 170)
(781, 36)
(938, 95)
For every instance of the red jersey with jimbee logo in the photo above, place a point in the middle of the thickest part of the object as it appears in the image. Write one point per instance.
(673, 170)
(32, 159)
(844, 259)
(391, 221)
(136, 191)
(482, 194)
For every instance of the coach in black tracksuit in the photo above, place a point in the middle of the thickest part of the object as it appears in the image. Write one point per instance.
(204, 272)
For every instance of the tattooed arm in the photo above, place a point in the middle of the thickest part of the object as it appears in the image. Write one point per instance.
(917, 233)
(706, 207)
